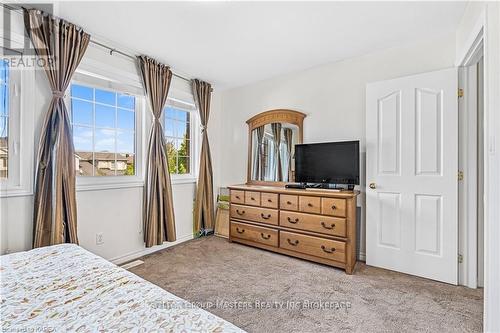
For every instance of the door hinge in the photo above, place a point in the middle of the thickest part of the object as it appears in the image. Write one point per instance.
(460, 175)
(460, 258)
(460, 92)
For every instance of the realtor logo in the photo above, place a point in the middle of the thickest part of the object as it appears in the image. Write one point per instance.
(15, 41)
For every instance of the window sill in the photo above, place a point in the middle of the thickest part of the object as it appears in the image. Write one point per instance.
(97, 186)
(108, 186)
(15, 192)
(175, 180)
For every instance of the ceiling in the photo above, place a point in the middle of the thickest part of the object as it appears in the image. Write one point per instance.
(235, 43)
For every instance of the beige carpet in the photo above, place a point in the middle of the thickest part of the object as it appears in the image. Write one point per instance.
(212, 270)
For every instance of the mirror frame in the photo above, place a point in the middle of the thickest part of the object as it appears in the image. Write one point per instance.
(268, 117)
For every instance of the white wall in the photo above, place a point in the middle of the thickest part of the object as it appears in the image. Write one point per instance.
(332, 96)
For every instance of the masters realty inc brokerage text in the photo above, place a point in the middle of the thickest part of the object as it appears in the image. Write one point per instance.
(257, 304)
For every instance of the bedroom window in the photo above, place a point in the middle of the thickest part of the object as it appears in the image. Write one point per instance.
(178, 139)
(17, 87)
(4, 119)
(104, 131)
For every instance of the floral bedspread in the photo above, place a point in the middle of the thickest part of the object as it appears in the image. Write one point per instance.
(64, 288)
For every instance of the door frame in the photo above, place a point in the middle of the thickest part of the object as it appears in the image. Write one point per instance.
(468, 186)
(487, 25)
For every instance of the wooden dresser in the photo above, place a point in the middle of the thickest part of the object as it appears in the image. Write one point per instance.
(317, 225)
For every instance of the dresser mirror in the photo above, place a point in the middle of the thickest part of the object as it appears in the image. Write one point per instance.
(271, 144)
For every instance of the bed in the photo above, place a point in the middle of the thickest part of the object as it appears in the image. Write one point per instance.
(64, 288)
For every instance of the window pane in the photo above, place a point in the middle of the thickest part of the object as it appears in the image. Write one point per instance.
(105, 140)
(104, 116)
(126, 119)
(100, 131)
(182, 115)
(170, 112)
(169, 127)
(4, 119)
(82, 92)
(125, 142)
(126, 101)
(81, 112)
(125, 164)
(82, 139)
(105, 97)
(105, 164)
(4, 147)
(183, 166)
(180, 129)
(3, 71)
(185, 148)
(84, 163)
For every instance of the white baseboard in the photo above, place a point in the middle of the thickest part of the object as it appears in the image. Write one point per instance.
(137, 254)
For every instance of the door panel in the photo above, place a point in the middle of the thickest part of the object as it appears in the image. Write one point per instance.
(412, 161)
(389, 228)
(429, 109)
(389, 133)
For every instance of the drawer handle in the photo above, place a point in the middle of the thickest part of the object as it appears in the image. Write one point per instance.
(309, 204)
(252, 198)
(292, 221)
(294, 243)
(327, 250)
(334, 207)
(288, 202)
(265, 236)
(240, 231)
(238, 197)
(326, 227)
(265, 217)
(240, 213)
(269, 200)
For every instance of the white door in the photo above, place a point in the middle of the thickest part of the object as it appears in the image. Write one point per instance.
(411, 175)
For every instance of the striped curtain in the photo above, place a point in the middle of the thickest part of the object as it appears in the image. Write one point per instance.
(204, 205)
(61, 46)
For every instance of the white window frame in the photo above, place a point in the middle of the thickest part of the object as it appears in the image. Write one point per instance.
(88, 183)
(19, 181)
(194, 139)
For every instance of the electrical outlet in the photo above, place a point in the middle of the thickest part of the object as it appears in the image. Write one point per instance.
(99, 238)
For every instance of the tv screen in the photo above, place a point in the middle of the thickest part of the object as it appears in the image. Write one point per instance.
(330, 163)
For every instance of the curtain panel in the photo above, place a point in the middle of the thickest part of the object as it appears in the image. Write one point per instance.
(288, 134)
(276, 129)
(204, 205)
(60, 47)
(158, 209)
(258, 168)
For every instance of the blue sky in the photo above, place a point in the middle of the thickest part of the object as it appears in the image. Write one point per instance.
(4, 97)
(114, 120)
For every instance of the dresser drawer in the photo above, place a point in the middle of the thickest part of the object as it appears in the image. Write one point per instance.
(310, 204)
(289, 202)
(252, 198)
(263, 215)
(255, 234)
(314, 246)
(334, 207)
(237, 197)
(269, 200)
(324, 224)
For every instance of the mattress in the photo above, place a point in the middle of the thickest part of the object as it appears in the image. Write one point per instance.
(64, 288)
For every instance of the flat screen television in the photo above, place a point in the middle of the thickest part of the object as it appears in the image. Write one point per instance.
(327, 163)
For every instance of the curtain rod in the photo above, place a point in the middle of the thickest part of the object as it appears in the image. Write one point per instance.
(113, 50)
